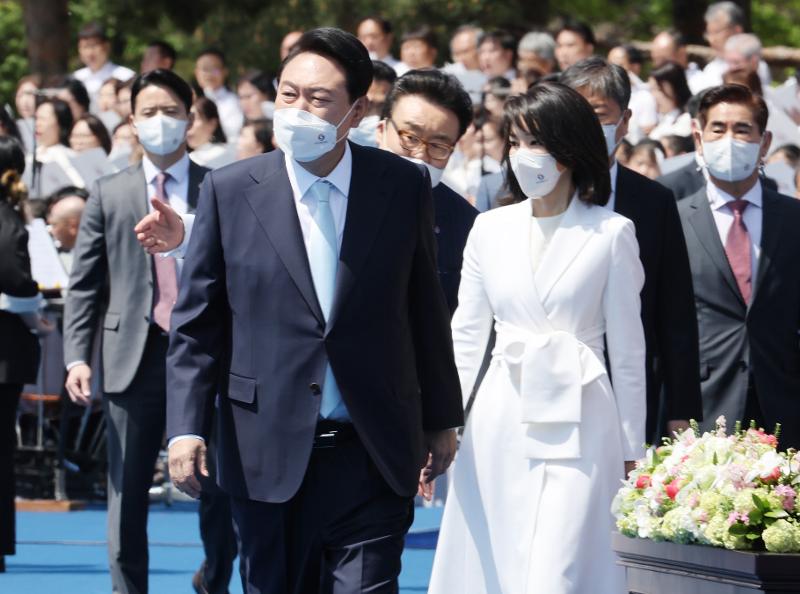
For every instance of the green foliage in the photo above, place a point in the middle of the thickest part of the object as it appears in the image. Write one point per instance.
(13, 56)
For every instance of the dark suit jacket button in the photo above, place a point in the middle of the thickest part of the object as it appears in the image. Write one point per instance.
(315, 389)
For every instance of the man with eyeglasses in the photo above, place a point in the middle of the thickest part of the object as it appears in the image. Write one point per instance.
(425, 114)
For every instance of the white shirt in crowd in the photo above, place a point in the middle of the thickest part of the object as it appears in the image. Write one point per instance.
(674, 122)
(214, 155)
(230, 114)
(716, 68)
(643, 106)
(752, 216)
(94, 80)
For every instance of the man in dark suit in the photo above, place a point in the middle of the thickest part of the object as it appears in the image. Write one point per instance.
(113, 279)
(307, 306)
(668, 316)
(425, 114)
(743, 250)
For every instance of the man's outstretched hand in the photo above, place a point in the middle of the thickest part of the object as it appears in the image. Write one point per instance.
(161, 230)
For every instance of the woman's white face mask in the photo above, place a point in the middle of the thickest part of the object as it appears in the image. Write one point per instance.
(536, 173)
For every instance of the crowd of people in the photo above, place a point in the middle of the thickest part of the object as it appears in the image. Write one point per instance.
(304, 321)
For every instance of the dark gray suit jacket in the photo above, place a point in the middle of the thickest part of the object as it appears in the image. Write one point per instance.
(112, 277)
(759, 343)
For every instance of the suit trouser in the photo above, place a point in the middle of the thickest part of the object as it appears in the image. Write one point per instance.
(9, 400)
(341, 533)
(135, 422)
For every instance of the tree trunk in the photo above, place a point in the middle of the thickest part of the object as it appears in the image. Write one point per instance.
(48, 38)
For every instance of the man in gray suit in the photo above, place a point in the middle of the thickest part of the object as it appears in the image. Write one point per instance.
(744, 251)
(114, 282)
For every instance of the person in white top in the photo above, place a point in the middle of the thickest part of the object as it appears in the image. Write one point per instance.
(671, 92)
(670, 46)
(205, 137)
(548, 439)
(376, 34)
(94, 49)
(418, 49)
(466, 66)
(724, 20)
(211, 73)
(497, 54)
(574, 42)
(642, 103)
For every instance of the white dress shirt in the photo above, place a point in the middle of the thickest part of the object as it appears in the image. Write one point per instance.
(716, 69)
(753, 218)
(230, 113)
(94, 80)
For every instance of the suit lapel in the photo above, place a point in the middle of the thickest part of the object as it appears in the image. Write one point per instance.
(702, 221)
(568, 241)
(141, 205)
(367, 203)
(770, 238)
(272, 202)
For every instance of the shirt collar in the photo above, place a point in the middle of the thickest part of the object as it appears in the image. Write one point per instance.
(178, 171)
(718, 198)
(301, 179)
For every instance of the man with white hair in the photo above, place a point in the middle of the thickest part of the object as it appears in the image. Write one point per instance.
(536, 51)
(723, 21)
(742, 53)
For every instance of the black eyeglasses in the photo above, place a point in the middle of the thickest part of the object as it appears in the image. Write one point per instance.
(413, 143)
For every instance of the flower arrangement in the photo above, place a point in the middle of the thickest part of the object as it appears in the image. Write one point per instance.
(734, 491)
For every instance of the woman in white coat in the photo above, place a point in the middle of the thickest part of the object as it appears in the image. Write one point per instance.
(548, 439)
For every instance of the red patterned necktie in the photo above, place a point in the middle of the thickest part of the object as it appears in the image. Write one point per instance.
(166, 289)
(737, 248)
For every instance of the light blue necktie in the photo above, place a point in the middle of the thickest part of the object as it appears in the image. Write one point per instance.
(323, 257)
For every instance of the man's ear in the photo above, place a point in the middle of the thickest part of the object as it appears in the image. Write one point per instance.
(765, 144)
(697, 136)
(359, 111)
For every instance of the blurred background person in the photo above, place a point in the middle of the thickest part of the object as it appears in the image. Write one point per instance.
(675, 145)
(287, 43)
(74, 93)
(19, 318)
(376, 34)
(53, 126)
(646, 158)
(254, 139)
(107, 104)
(87, 133)
(206, 138)
(536, 57)
(211, 74)
(466, 63)
(8, 127)
(25, 103)
(644, 113)
(670, 46)
(124, 101)
(418, 49)
(495, 93)
(125, 147)
(256, 95)
(64, 212)
(94, 50)
(574, 42)
(497, 54)
(158, 54)
(383, 77)
(671, 92)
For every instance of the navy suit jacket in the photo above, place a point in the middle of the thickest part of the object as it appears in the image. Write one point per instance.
(247, 326)
(454, 217)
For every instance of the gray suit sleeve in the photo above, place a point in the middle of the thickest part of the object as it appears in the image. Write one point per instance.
(87, 282)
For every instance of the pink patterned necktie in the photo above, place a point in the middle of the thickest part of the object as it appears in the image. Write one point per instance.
(737, 248)
(166, 289)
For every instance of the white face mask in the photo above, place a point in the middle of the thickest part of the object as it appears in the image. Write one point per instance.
(435, 172)
(160, 134)
(365, 133)
(536, 173)
(610, 133)
(731, 160)
(304, 136)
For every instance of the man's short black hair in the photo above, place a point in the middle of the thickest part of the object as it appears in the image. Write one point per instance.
(165, 50)
(78, 91)
(382, 72)
(580, 29)
(343, 48)
(501, 37)
(213, 51)
(437, 87)
(385, 25)
(424, 34)
(93, 30)
(260, 80)
(166, 79)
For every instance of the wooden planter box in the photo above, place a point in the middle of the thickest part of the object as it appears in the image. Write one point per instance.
(669, 568)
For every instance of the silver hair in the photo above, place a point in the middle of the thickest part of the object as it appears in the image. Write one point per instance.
(733, 13)
(539, 43)
(599, 77)
(746, 44)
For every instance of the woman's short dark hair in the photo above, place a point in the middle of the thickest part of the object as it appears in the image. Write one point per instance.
(8, 124)
(566, 125)
(262, 130)
(78, 91)
(162, 78)
(437, 87)
(341, 47)
(673, 73)
(734, 94)
(207, 110)
(261, 81)
(382, 72)
(98, 130)
(64, 117)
